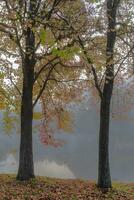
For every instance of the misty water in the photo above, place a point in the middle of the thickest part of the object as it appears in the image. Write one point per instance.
(79, 156)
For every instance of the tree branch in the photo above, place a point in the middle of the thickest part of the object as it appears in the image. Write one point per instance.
(44, 66)
(45, 83)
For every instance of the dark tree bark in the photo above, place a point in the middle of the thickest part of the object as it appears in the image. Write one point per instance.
(26, 167)
(104, 178)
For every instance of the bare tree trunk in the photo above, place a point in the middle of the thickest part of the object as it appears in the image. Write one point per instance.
(104, 178)
(26, 167)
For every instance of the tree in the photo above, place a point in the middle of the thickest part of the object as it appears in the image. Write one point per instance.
(101, 48)
(105, 94)
(104, 179)
(104, 82)
(38, 45)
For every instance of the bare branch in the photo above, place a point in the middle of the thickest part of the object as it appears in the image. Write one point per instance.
(45, 83)
(44, 66)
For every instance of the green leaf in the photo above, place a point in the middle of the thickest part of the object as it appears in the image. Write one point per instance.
(43, 36)
(2, 75)
(66, 53)
(94, 1)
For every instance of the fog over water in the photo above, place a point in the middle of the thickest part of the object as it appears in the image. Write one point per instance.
(78, 157)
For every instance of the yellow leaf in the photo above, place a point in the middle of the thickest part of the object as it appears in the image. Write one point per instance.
(37, 115)
(2, 106)
(65, 121)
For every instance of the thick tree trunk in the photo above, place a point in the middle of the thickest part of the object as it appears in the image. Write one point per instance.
(26, 168)
(104, 178)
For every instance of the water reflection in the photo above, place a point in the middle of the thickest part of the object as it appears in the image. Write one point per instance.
(42, 168)
(9, 165)
(52, 169)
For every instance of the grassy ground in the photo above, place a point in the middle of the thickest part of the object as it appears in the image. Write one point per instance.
(56, 189)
